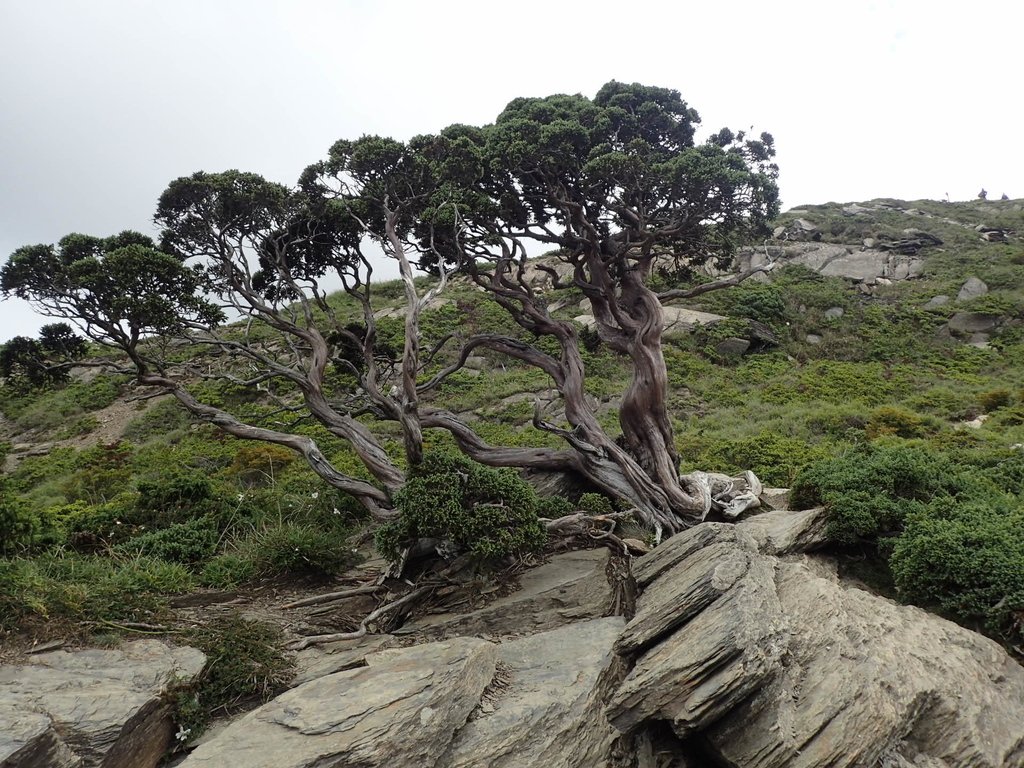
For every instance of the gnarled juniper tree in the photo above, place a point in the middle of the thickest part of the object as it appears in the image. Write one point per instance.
(610, 183)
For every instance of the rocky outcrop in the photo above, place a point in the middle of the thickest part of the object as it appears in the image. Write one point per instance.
(676, 319)
(93, 707)
(883, 261)
(768, 660)
(745, 649)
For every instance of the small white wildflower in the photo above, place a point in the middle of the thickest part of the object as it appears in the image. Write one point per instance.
(314, 495)
(117, 522)
(336, 511)
(241, 496)
(182, 733)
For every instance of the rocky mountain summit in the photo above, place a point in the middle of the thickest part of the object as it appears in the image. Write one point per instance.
(744, 648)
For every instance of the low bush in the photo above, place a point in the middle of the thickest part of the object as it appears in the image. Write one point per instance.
(245, 665)
(870, 490)
(966, 561)
(80, 588)
(227, 570)
(294, 548)
(186, 543)
(950, 527)
(890, 421)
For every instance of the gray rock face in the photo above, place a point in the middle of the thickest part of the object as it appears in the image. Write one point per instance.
(402, 709)
(93, 707)
(867, 265)
(937, 301)
(972, 289)
(535, 702)
(834, 313)
(732, 348)
(775, 498)
(551, 715)
(776, 663)
(677, 319)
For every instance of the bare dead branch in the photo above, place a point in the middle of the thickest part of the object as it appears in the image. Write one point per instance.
(306, 642)
(331, 597)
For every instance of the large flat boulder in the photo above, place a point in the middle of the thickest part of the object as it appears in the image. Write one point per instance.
(770, 660)
(402, 709)
(97, 707)
(548, 711)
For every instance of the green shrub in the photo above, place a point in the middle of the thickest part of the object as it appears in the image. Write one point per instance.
(293, 548)
(15, 522)
(773, 457)
(159, 419)
(101, 472)
(227, 570)
(86, 588)
(869, 491)
(969, 563)
(245, 665)
(490, 513)
(763, 302)
(889, 421)
(259, 464)
(596, 504)
(185, 543)
(951, 528)
(93, 527)
(994, 399)
(553, 507)
(173, 496)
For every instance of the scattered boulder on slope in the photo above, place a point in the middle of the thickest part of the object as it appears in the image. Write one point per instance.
(769, 660)
(972, 288)
(76, 709)
(864, 265)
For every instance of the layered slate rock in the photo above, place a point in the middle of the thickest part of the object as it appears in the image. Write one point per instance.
(402, 709)
(93, 707)
(769, 660)
(570, 587)
(547, 710)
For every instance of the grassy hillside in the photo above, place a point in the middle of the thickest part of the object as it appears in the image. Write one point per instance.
(109, 505)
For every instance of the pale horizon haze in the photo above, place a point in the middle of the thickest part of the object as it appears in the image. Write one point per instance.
(103, 103)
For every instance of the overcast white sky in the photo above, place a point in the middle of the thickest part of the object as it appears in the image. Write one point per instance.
(103, 102)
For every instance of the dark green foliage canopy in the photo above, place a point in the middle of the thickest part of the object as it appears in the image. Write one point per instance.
(27, 363)
(117, 289)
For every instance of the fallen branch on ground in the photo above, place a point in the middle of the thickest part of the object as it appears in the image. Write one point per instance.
(306, 642)
(330, 597)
